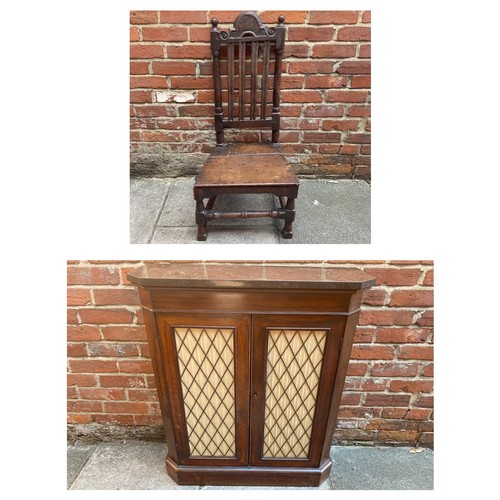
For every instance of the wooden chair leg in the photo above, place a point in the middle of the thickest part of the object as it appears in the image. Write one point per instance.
(289, 218)
(201, 221)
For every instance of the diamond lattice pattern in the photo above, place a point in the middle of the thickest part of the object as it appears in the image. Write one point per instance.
(206, 365)
(294, 360)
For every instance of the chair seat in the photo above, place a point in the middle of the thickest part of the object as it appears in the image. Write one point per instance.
(246, 165)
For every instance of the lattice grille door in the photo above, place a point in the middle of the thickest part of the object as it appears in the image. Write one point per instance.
(206, 366)
(294, 361)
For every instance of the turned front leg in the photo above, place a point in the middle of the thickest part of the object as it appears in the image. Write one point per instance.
(289, 218)
(201, 221)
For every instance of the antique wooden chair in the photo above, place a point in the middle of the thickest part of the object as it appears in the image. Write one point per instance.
(247, 62)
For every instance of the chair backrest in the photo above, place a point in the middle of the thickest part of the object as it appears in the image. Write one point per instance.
(247, 63)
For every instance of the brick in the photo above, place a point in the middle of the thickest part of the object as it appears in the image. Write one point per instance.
(391, 425)
(163, 34)
(291, 82)
(135, 135)
(135, 34)
(158, 136)
(395, 277)
(428, 370)
(105, 316)
(358, 138)
(429, 278)
(125, 333)
(333, 50)
(139, 366)
(365, 51)
(125, 407)
(357, 369)
(394, 369)
(411, 386)
(191, 82)
(148, 82)
(199, 34)
(169, 68)
(310, 67)
(402, 335)
(324, 111)
(358, 412)
(135, 381)
(425, 401)
(416, 352)
(116, 296)
(84, 406)
(295, 50)
(321, 137)
(196, 110)
(387, 400)
(426, 319)
(71, 316)
(412, 298)
(372, 352)
(78, 419)
(365, 384)
(145, 51)
(92, 276)
(80, 380)
(312, 34)
(361, 111)
(394, 412)
(150, 420)
(92, 366)
(417, 414)
(291, 16)
(78, 296)
(346, 96)
(191, 51)
(367, 16)
(301, 96)
(333, 17)
(354, 68)
(107, 349)
(140, 96)
(325, 81)
(139, 68)
(347, 149)
(76, 349)
(102, 393)
(350, 399)
(183, 16)
(354, 34)
(289, 110)
(143, 395)
(361, 82)
(143, 17)
(329, 148)
(83, 332)
(385, 317)
(364, 334)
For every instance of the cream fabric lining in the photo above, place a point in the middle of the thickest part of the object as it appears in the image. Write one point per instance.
(294, 361)
(206, 365)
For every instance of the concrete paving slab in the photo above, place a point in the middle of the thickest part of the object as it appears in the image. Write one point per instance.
(332, 212)
(133, 465)
(78, 455)
(179, 211)
(147, 197)
(139, 465)
(381, 468)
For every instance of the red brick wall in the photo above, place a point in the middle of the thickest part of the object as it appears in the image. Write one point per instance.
(325, 105)
(388, 395)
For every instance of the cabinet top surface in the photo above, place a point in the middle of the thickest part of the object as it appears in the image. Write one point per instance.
(201, 275)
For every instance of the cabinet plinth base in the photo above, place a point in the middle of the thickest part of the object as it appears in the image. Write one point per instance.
(248, 475)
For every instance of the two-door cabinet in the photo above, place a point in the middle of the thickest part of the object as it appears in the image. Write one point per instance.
(249, 362)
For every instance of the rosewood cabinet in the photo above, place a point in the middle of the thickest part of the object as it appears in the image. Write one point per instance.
(249, 361)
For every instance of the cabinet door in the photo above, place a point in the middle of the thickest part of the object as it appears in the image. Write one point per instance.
(207, 378)
(294, 363)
